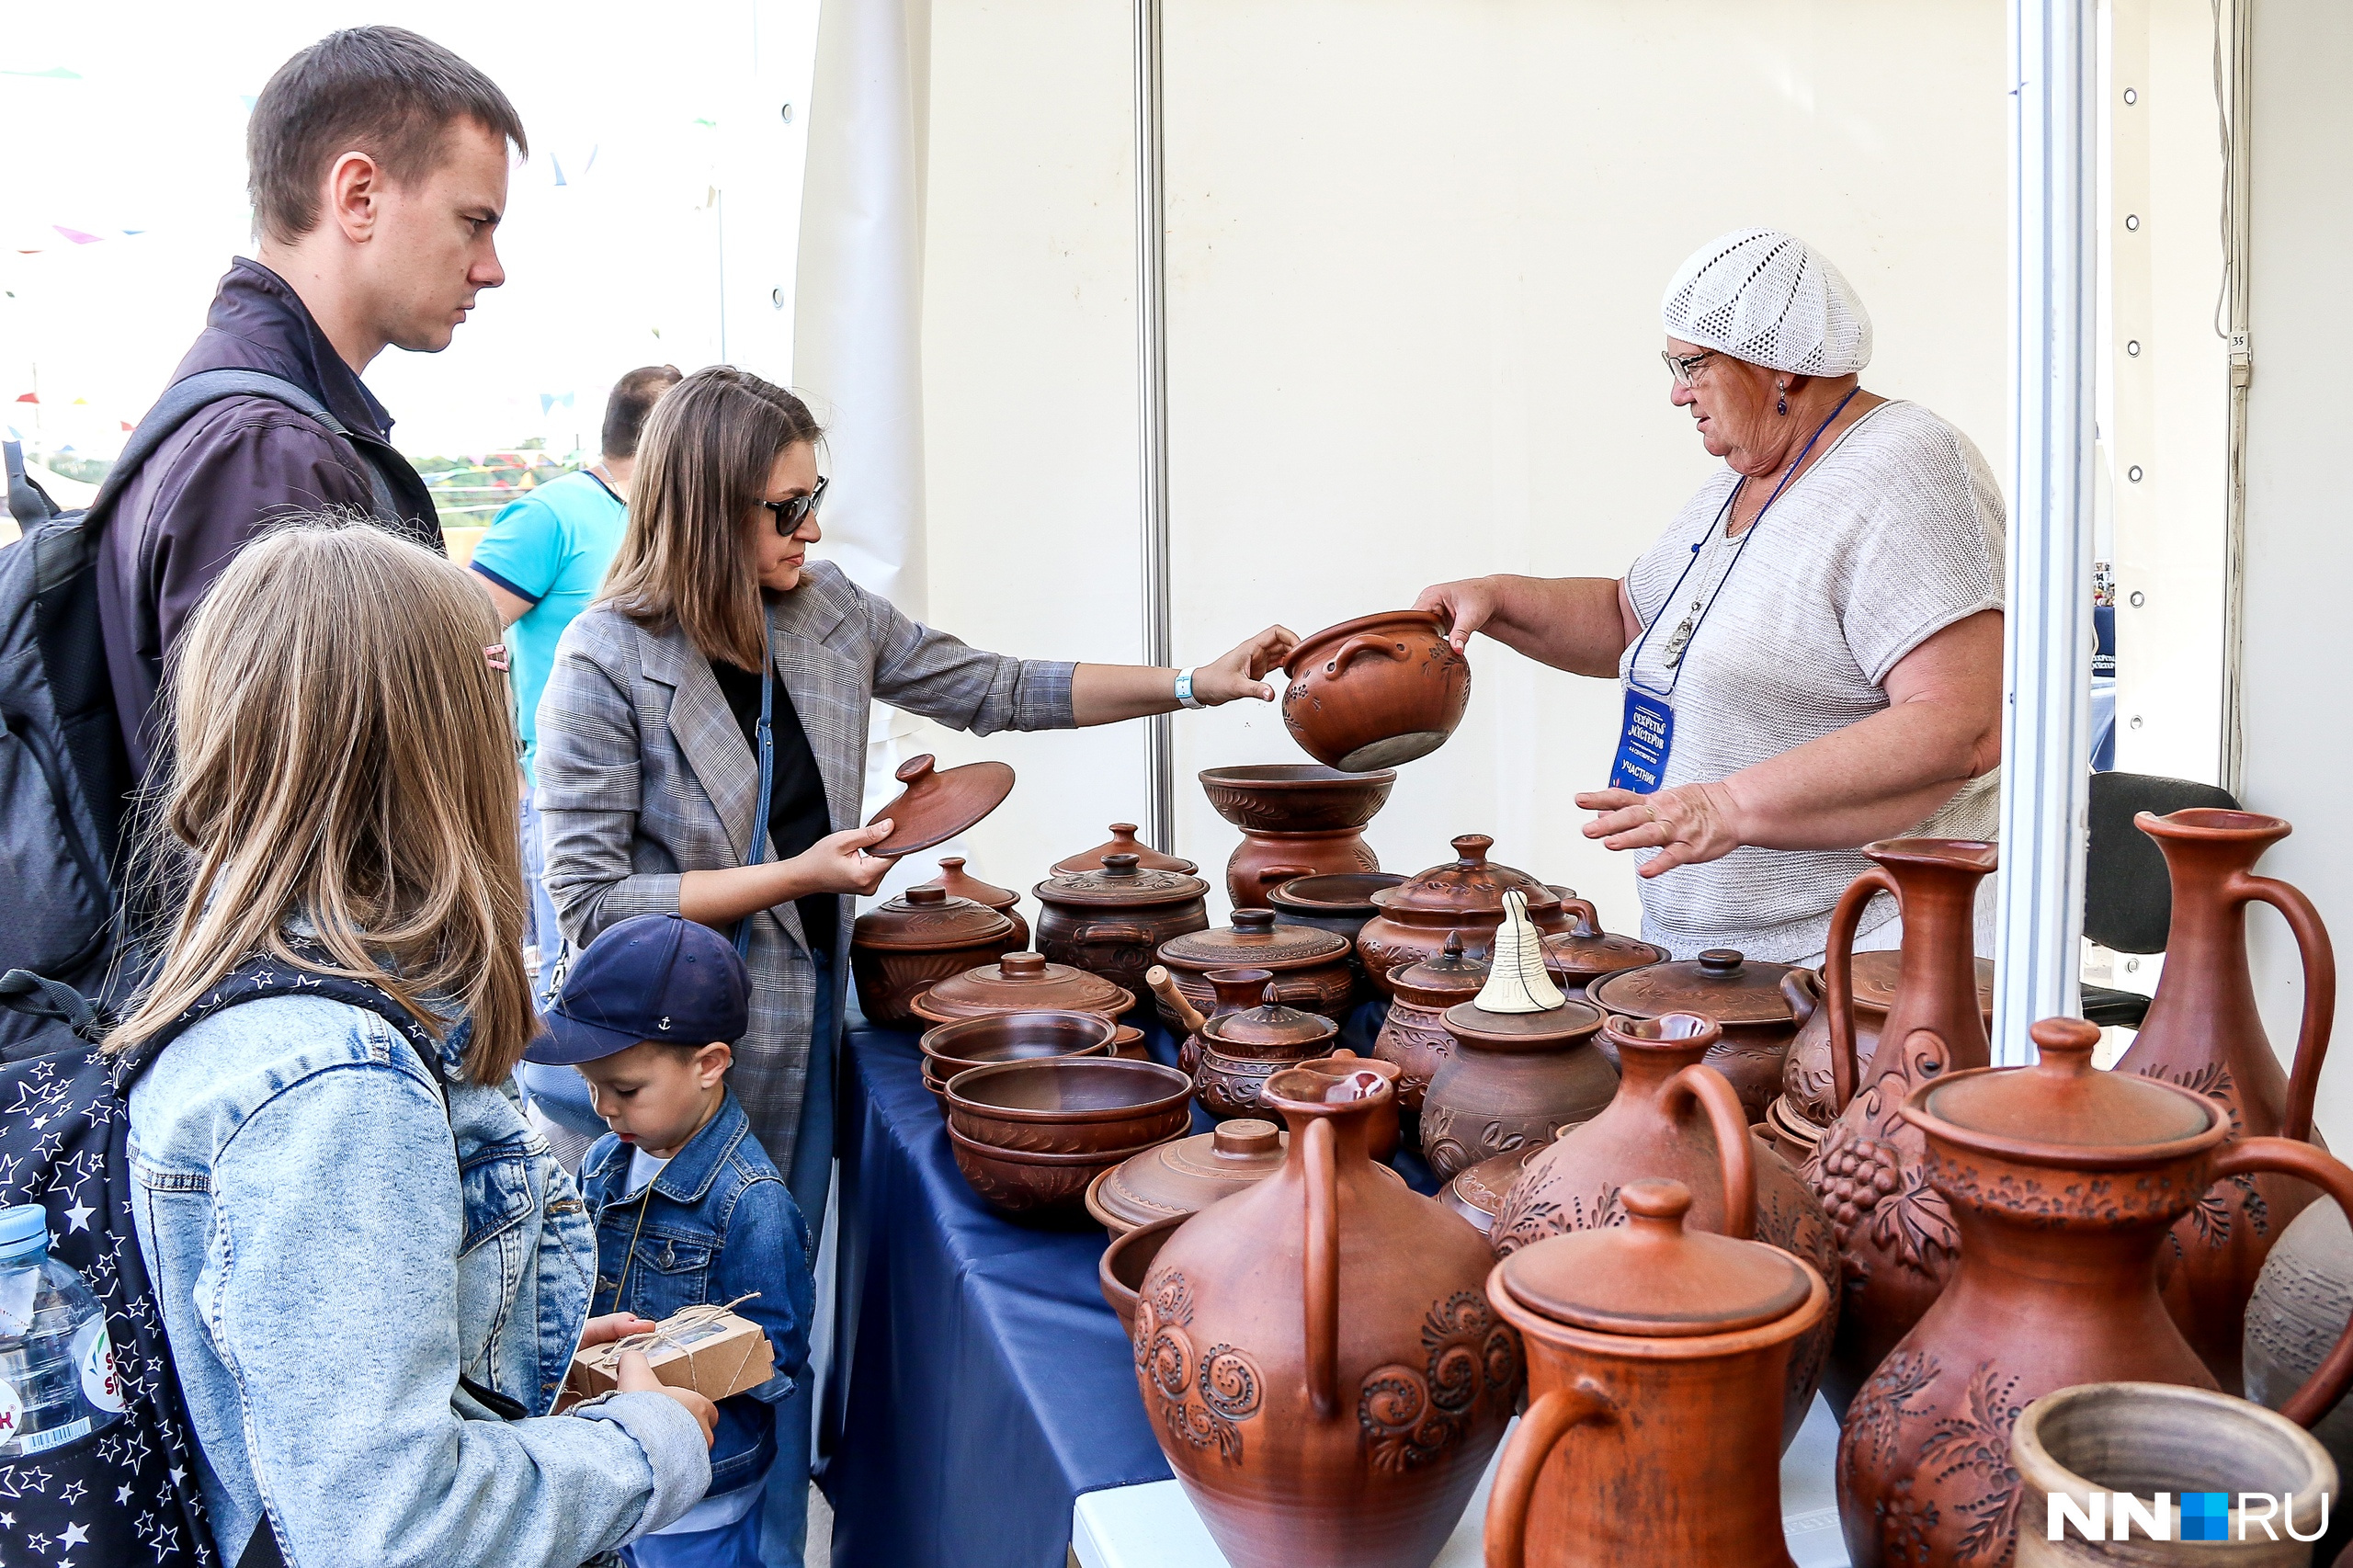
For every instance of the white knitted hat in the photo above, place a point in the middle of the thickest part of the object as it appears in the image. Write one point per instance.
(1772, 300)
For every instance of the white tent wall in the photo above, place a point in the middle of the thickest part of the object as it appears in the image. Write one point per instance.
(2298, 746)
(1415, 256)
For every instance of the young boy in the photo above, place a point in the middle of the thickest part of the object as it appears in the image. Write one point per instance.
(689, 1208)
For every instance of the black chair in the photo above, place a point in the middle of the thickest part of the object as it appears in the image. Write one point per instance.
(2128, 897)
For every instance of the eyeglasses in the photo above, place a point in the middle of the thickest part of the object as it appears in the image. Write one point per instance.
(1684, 367)
(790, 514)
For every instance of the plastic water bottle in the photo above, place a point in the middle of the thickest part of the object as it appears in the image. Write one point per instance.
(57, 1374)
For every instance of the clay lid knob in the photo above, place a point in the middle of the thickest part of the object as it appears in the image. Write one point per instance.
(1471, 849)
(1654, 1205)
(1124, 833)
(926, 897)
(1120, 865)
(1721, 961)
(1249, 1139)
(916, 768)
(951, 864)
(1453, 947)
(2066, 1044)
(1254, 921)
(1022, 966)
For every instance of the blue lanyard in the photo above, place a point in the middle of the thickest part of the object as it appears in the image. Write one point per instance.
(1676, 591)
(768, 783)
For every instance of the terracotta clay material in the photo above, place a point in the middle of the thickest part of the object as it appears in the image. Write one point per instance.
(1380, 1140)
(2062, 1183)
(1315, 1354)
(1895, 1237)
(1477, 1192)
(1463, 898)
(1586, 953)
(956, 882)
(1414, 1034)
(1127, 1260)
(1310, 968)
(1022, 1185)
(1514, 1078)
(1806, 1084)
(950, 1049)
(1123, 841)
(1794, 1138)
(1241, 1050)
(1069, 1105)
(2204, 1032)
(1111, 921)
(901, 947)
(938, 803)
(1375, 692)
(1339, 903)
(1296, 821)
(1657, 1359)
(1675, 1119)
(1742, 994)
(1184, 1020)
(1181, 1178)
(2301, 1300)
(1020, 982)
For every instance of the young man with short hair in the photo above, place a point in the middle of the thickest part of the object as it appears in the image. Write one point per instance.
(377, 166)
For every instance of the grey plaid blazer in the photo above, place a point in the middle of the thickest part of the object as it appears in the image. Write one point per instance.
(643, 775)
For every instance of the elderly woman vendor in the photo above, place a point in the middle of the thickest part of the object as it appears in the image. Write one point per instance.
(1811, 654)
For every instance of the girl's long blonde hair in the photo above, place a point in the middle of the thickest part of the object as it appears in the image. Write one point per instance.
(344, 757)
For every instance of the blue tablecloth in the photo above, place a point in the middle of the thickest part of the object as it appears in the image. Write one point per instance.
(988, 1386)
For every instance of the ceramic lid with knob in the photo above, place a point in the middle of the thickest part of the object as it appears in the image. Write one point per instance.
(1189, 1174)
(2062, 1104)
(954, 881)
(1654, 1277)
(1021, 983)
(1587, 952)
(940, 804)
(1441, 981)
(1719, 983)
(1121, 881)
(1254, 940)
(1470, 885)
(1269, 1028)
(1472, 1025)
(927, 920)
(1123, 841)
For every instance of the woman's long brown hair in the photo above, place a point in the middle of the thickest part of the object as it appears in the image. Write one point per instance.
(345, 758)
(702, 466)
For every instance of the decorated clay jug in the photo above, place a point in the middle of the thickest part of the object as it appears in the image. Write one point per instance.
(1316, 1353)
(2204, 1032)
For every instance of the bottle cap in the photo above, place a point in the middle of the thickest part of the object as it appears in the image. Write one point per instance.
(21, 1224)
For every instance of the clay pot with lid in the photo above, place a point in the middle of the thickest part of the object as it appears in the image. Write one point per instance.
(1512, 1079)
(1316, 1356)
(1123, 841)
(1586, 953)
(902, 946)
(1111, 921)
(1676, 1120)
(1179, 1179)
(1741, 995)
(1657, 1358)
(2062, 1183)
(1806, 1088)
(1020, 982)
(1462, 898)
(1414, 1034)
(2203, 1031)
(956, 882)
(1297, 819)
(1375, 692)
(1310, 968)
(1241, 1050)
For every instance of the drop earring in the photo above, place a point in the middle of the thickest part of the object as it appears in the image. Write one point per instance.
(1782, 404)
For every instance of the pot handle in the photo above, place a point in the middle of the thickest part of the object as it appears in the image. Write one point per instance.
(1267, 876)
(1119, 933)
(1588, 918)
(1362, 645)
(1801, 989)
(1550, 1418)
(1163, 985)
(2287, 1157)
(1838, 979)
(2320, 993)
(1322, 1290)
(1720, 1103)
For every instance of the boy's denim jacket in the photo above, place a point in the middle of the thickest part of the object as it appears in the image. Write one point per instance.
(717, 1223)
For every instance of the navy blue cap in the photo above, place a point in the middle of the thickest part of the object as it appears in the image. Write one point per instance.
(650, 977)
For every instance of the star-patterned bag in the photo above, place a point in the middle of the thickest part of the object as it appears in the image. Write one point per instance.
(125, 1494)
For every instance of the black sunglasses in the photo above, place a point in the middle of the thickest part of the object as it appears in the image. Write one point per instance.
(790, 514)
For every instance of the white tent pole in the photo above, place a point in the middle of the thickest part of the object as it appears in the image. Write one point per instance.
(2046, 729)
(1151, 412)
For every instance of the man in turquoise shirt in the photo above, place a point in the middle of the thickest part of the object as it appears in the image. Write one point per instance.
(542, 559)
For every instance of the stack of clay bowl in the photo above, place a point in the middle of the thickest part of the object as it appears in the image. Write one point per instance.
(1030, 1137)
(952, 1049)
(1297, 819)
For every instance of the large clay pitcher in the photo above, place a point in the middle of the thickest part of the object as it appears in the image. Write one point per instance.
(1656, 1356)
(1895, 1237)
(2062, 1182)
(2204, 1032)
(1317, 1355)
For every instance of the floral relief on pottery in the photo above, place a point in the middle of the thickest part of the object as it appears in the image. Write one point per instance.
(1805, 1075)
(1375, 692)
(1462, 898)
(1414, 1034)
(1513, 1079)
(1296, 821)
(1742, 994)
(1111, 921)
(1241, 1050)
(903, 947)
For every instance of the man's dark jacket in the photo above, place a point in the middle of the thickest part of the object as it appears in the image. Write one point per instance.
(236, 466)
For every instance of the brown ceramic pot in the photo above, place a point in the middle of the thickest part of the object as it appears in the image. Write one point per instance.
(1376, 691)
(1184, 1177)
(1793, 1137)
(1241, 1050)
(1657, 1358)
(1895, 1237)
(902, 946)
(1586, 953)
(1069, 1105)
(1123, 841)
(2062, 1183)
(1339, 903)
(1233, 991)
(956, 882)
(1023, 1185)
(1127, 1260)
(1477, 1191)
(1020, 982)
(1462, 898)
(1111, 921)
(2204, 1032)
(1296, 821)
(1678, 1120)
(1743, 998)
(1806, 1085)
(1513, 1079)
(1310, 967)
(2301, 1302)
(950, 1049)
(1315, 1354)
(1414, 1034)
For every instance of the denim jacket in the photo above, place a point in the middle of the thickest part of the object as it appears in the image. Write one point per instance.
(718, 1222)
(332, 1249)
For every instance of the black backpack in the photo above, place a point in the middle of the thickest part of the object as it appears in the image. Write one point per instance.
(129, 1493)
(64, 773)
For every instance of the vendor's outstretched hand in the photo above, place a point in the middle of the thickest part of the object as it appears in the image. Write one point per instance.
(635, 1375)
(1465, 606)
(838, 862)
(1238, 673)
(1687, 825)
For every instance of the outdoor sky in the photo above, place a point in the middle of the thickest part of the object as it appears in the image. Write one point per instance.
(615, 267)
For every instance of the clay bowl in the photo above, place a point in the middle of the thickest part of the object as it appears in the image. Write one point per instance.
(1293, 797)
(1024, 1185)
(1376, 691)
(1336, 901)
(1013, 1037)
(1125, 1263)
(1080, 1106)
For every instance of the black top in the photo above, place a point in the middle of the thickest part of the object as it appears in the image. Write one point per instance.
(797, 813)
